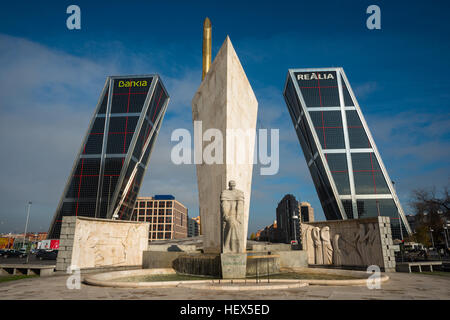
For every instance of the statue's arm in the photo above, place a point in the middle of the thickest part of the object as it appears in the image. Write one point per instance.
(224, 207)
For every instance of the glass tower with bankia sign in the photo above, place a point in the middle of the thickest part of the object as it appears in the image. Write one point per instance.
(110, 165)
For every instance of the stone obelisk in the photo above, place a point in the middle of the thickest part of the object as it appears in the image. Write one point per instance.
(224, 101)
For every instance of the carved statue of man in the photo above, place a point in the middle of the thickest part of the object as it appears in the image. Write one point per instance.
(372, 247)
(308, 244)
(232, 209)
(361, 244)
(350, 253)
(326, 245)
(318, 254)
(337, 257)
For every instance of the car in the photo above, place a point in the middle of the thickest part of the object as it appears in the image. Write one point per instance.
(14, 253)
(46, 254)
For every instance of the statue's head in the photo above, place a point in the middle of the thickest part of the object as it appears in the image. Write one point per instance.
(232, 184)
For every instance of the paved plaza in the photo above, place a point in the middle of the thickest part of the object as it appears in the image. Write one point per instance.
(400, 286)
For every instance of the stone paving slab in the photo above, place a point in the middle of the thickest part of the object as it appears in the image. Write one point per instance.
(400, 286)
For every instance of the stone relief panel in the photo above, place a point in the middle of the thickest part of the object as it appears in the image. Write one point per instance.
(345, 242)
(108, 243)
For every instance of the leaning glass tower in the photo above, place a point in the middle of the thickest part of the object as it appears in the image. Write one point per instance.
(110, 165)
(344, 162)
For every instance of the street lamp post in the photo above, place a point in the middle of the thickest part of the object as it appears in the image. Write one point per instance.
(26, 226)
(402, 245)
(295, 227)
(432, 240)
(445, 235)
(447, 224)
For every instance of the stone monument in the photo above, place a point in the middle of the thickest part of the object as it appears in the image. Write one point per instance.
(232, 209)
(224, 113)
(224, 103)
(350, 243)
(233, 257)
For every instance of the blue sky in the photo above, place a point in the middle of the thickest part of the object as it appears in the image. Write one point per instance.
(51, 78)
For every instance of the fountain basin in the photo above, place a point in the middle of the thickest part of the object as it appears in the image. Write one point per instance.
(308, 276)
(258, 264)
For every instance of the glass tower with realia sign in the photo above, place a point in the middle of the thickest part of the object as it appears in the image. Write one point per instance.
(111, 163)
(345, 165)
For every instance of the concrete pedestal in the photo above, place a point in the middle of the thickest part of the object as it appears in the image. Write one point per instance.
(234, 265)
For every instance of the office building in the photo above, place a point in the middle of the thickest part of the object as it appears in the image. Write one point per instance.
(198, 220)
(288, 219)
(167, 216)
(306, 212)
(193, 227)
(269, 233)
(350, 178)
(115, 152)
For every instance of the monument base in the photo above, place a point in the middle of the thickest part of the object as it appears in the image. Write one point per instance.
(268, 261)
(234, 265)
(198, 264)
(262, 264)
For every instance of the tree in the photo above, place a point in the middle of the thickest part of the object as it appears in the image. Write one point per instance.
(432, 209)
(421, 235)
(252, 236)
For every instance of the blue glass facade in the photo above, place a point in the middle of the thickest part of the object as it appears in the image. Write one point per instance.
(114, 154)
(345, 165)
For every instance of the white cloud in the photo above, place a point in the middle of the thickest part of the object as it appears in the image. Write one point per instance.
(47, 98)
(410, 134)
(363, 90)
